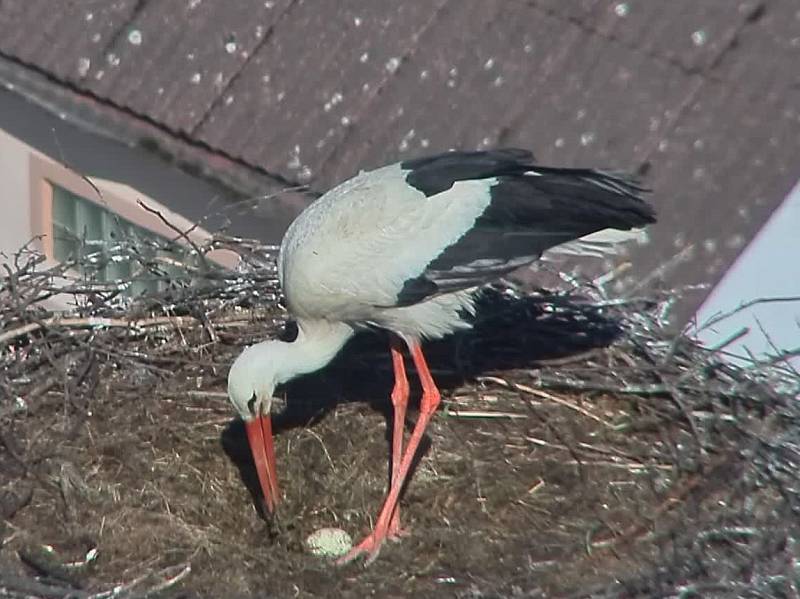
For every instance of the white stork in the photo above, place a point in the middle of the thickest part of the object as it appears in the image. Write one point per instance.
(404, 248)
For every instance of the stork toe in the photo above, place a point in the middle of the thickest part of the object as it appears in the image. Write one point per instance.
(397, 532)
(370, 546)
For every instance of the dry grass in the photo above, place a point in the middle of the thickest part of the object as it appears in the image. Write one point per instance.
(556, 466)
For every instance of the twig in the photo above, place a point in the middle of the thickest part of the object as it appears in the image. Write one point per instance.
(682, 256)
(169, 577)
(208, 394)
(99, 322)
(30, 588)
(743, 332)
(67, 166)
(778, 352)
(545, 395)
(649, 390)
(744, 306)
(538, 485)
(182, 234)
(479, 414)
(324, 448)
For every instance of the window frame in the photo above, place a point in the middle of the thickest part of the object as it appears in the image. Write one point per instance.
(118, 198)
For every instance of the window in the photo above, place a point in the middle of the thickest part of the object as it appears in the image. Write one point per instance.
(109, 248)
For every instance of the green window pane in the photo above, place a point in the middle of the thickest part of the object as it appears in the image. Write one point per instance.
(117, 269)
(65, 244)
(89, 221)
(83, 227)
(64, 207)
(115, 229)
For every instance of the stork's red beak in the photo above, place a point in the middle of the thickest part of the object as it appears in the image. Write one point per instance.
(259, 434)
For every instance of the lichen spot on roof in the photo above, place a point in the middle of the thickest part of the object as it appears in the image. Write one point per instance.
(84, 64)
(699, 37)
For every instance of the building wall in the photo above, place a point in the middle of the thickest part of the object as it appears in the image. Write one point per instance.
(26, 220)
(15, 224)
(92, 152)
(760, 294)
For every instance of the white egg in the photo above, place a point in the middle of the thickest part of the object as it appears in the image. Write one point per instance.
(329, 542)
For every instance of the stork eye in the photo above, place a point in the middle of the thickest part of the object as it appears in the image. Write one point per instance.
(251, 405)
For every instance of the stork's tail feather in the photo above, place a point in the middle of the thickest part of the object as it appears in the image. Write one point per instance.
(531, 210)
(574, 202)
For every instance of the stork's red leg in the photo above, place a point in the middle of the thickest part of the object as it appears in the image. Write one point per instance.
(399, 403)
(371, 545)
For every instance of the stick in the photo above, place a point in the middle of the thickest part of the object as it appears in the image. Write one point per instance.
(95, 322)
(545, 395)
(759, 300)
(478, 414)
(182, 234)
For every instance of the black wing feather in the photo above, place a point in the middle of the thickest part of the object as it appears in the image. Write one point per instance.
(531, 209)
(435, 174)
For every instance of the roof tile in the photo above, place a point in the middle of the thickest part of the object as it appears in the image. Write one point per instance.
(715, 185)
(312, 82)
(66, 41)
(472, 87)
(174, 65)
(766, 52)
(690, 33)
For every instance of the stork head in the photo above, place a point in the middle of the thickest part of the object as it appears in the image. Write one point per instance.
(251, 382)
(260, 368)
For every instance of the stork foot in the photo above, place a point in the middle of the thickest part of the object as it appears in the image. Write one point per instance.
(370, 546)
(396, 532)
(372, 543)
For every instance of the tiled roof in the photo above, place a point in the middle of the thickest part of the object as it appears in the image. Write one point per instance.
(703, 97)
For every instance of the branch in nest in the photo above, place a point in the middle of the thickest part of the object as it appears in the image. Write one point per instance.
(181, 234)
(99, 322)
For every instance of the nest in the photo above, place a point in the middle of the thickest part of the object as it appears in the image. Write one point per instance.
(582, 448)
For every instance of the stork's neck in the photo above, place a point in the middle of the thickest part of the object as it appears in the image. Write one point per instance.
(317, 343)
